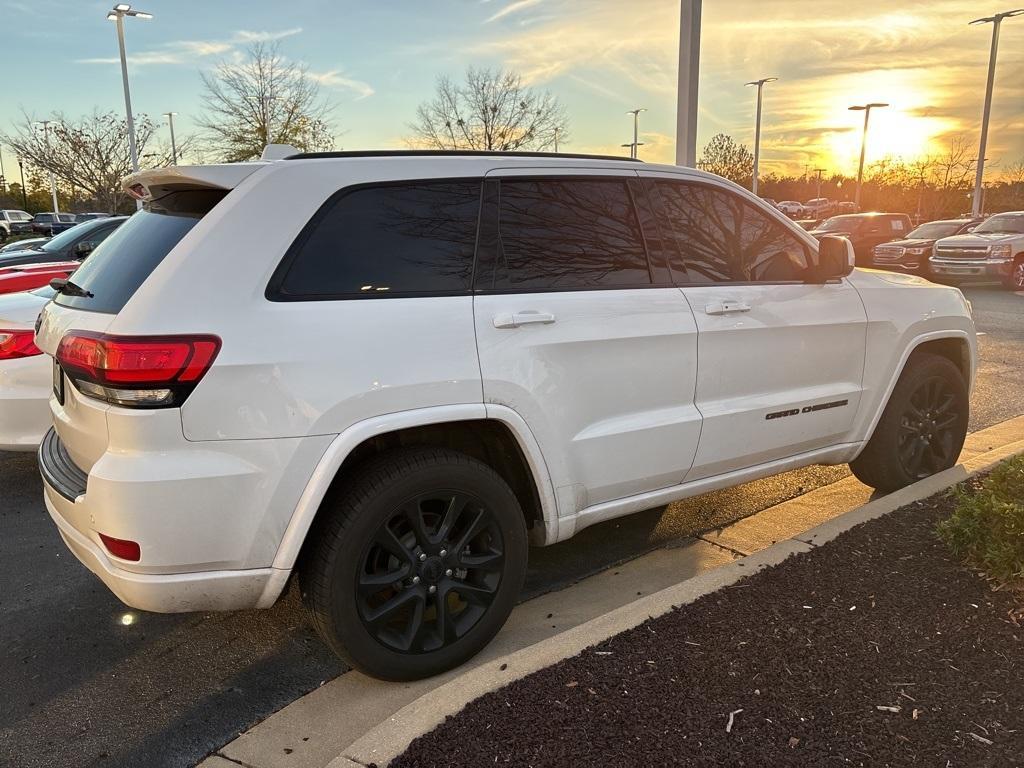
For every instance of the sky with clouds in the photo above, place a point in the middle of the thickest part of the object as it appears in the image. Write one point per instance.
(376, 61)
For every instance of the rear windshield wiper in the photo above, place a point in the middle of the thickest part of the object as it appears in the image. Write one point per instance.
(65, 286)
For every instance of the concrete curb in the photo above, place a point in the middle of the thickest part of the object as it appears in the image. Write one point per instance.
(391, 737)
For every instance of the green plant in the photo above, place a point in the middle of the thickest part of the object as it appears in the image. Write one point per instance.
(987, 528)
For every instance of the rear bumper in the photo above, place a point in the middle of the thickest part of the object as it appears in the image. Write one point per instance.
(208, 522)
(971, 269)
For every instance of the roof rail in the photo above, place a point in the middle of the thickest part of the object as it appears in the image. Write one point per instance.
(452, 153)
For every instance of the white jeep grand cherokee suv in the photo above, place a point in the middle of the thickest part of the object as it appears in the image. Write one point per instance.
(432, 359)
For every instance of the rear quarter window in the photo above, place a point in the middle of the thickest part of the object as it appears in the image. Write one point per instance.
(122, 262)
(414, 238)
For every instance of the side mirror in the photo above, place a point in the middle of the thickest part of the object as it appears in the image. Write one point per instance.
(835, 259)
(84, 248)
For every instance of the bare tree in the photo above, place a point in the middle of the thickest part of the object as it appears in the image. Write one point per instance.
(491, 110)
(265, 99)
(88, 155)
(725, 157)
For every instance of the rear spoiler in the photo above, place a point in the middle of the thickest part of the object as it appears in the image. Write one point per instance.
(154, 182)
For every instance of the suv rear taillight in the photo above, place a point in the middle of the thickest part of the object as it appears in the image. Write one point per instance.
(137, 371)
(15, 344)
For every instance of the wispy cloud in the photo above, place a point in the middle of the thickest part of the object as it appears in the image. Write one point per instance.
(335, 78)
(516, 6)
(185, 52)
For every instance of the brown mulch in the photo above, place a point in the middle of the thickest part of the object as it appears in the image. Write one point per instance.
(876, 649)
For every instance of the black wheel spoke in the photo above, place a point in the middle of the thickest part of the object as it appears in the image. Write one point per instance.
(487, 562)
(444, 621)
(480, 522)
(451, 516)
(414, 630)
(414, 515)
(946, 406)
(474, 594)
(388, 541)
(388, 609)
(916, 456)
(944, 424)
(371, 583)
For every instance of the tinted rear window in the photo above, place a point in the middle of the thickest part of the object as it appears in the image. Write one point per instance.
(116, 269)
(409, 239)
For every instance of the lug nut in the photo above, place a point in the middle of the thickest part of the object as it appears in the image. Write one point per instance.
(423, 556)
(448, 572)
(433, 589)
(415, 579)
(444, 552)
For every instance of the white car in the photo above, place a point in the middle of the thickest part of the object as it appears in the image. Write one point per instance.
(432, 359)
(25, 372)
(791, 208)
(818, 207)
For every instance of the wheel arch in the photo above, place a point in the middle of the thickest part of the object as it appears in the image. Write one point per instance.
(496, 436)
(953, 344)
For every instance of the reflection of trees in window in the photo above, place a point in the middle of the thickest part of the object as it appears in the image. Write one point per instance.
(722, 238)
(412, 238)
(570, 234)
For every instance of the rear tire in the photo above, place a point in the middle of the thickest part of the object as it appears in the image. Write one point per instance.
(418, 564)
(922, 429)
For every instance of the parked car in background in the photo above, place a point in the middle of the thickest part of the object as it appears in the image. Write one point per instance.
(818, 208)
(25, 372)
(73, 244)
(52, 223)
(792, 208)
(23, 244)
(844, 206)
(14, 222)
(25, 277)
(809, 224)
(994, 250)
(423, 333)
(866, 230)
(90, 216)
(912, 253)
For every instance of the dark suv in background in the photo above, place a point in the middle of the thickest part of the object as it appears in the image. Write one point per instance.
(911, 254)
(73, 245)
(52, 223)
(866, 230)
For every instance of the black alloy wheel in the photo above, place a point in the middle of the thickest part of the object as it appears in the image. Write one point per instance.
(430, 573)
(928, 429)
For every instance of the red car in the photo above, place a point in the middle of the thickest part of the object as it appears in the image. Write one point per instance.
(28, 276)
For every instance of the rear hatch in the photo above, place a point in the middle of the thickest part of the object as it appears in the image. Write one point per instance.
(175, 200)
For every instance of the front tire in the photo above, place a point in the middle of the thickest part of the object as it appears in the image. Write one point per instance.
(922, 429)
(1015, 281)
(418, 564)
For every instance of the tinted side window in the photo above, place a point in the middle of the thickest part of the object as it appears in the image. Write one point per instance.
(411, 238)
(569, 234)
(722, 238)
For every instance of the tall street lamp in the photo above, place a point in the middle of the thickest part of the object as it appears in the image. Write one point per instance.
(819, 171)
(24, 193)
(174, 147)
(53, 181)
(117, 14)
(636, 131)
(866, 108)
(757, 125)
(995, 21)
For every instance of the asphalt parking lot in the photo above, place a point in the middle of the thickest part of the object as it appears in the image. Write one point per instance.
(88, 682)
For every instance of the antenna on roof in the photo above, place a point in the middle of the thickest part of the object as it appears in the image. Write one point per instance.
(278, 151)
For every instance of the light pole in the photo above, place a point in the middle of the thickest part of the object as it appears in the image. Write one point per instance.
(53, 181)
(757, 125)
(819, 171)
(636, 131)
(174, 147)
(689, 76)
(995, 21)
(866, 108)
(557, 129)
(24, 194)
(3, 176)
(117, 14)
(978, 197)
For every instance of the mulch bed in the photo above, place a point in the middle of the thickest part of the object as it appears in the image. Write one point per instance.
(876, 649)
